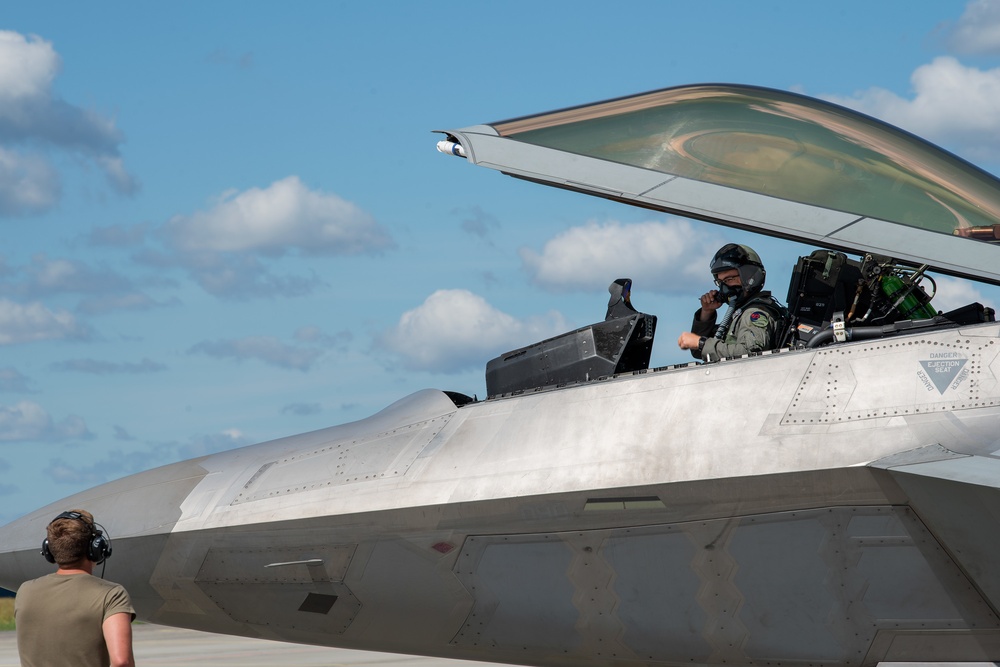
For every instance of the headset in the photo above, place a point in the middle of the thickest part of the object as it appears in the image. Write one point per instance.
(99, 546)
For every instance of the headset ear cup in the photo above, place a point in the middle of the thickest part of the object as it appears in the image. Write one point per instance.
(45, 551)
(100, 548)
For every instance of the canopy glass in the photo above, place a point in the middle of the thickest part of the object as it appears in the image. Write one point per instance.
(780, 145)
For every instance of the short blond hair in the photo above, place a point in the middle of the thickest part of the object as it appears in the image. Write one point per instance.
(69, 538)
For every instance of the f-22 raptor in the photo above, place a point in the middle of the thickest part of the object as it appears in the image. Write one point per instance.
(593, 511)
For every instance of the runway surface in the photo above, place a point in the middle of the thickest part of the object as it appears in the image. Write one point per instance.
(171, 647)
(160, 646)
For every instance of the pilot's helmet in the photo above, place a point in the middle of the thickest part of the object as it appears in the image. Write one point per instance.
(747, 262)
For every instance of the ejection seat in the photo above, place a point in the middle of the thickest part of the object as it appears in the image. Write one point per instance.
(622, 343)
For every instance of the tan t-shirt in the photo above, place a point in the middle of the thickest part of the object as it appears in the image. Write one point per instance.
(60, 617)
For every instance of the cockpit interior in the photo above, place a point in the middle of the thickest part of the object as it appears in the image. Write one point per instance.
(832, 299)
(882, 205)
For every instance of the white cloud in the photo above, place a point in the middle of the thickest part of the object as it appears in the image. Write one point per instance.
(284, 216)
(455, 329)
(30, 112)
(477, 222)
(223, 248)
(124, 301)
(119, 177)
(59, 276)
(21, 323)
(28, 184)
(28, 421)
(88, 472)
(107, 290)
(222, 57)
(302, 409)
(659, 256)
(241, 276)
(117, 463)
(28, 66)
(952, 104)
(316, 336)
(216, 442)
(98, 367)
(267, 349)
(954, 293)
(978, 29)
(12, 380)
(122, 434)
(118, 236)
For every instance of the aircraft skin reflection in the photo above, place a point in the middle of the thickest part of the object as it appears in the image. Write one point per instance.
(843, 510)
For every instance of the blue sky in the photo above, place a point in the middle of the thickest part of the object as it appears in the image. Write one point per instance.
(226, 222)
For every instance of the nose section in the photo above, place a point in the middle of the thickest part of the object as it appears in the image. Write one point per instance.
(141, 505)
(20, 549)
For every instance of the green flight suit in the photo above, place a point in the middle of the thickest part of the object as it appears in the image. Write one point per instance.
(755, 328)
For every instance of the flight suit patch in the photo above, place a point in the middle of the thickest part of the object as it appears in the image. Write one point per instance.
(758, 319)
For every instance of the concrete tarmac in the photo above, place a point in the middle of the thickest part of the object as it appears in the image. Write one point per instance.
(160, 646)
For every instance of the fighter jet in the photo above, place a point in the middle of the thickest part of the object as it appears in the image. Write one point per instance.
(832, 502)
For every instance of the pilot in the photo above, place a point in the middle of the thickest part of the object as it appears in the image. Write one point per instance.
(754, 319)
(70, 617)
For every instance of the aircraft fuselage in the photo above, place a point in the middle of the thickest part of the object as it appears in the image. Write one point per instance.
(836, 504)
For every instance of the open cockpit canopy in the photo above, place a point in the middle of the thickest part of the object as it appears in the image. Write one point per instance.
(765, 160)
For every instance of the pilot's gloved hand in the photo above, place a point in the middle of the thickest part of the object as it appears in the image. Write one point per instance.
(710, 302)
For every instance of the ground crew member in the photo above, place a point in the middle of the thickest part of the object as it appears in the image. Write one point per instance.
(70, 618)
